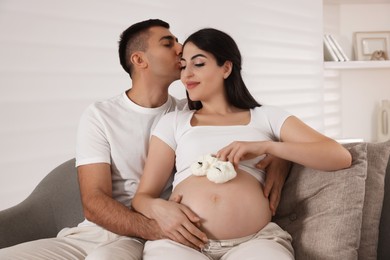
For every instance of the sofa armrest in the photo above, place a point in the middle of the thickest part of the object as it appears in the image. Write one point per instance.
(29, 220)
(54, 204)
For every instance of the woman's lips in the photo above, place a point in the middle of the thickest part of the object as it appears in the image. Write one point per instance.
(191, 84)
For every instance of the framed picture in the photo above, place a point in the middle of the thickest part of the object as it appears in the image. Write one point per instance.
(372, 45)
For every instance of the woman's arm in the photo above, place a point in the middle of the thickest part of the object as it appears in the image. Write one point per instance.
(299, 143)
(305, 146)
(176, 220)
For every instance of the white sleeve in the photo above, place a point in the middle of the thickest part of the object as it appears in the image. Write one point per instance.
(92, 144)
(166, 129)
(276, 118)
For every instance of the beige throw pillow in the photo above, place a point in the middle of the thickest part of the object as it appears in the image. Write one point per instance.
(377, 158)
(323, 210)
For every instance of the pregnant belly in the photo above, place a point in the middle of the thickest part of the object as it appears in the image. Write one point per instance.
(233, 209)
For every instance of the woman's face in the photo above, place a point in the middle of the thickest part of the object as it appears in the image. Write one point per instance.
(200, 73)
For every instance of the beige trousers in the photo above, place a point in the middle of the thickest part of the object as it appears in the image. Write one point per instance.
(92, 243)
(270, 243)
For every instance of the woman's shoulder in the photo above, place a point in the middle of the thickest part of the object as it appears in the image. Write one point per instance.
(270, 118)
(179, 114)
(177, 117)
(270, 111)
(173, 123)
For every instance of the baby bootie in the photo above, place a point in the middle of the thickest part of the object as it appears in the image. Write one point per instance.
(200, 167)
(216, 171)
(221, 172)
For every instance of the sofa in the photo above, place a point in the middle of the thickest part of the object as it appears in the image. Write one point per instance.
(342, 214)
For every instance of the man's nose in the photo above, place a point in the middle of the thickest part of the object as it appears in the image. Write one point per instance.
(179, 48)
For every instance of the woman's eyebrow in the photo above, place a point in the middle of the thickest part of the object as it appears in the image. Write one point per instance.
(194, 57)
(198, 55)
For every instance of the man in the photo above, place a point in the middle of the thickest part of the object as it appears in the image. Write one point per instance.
(112, 143)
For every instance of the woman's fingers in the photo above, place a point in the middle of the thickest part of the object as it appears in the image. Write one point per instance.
(229, 153)
(234, 152)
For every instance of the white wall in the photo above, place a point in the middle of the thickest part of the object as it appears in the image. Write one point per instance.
(57, 56)
(361, 90)
(362, 18)
(362, 93)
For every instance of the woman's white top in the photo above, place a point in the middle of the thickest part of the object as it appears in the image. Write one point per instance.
(191, 142)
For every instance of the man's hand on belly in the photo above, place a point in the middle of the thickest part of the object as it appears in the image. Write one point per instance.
(180, 224)
(177, 198)
(277, 171)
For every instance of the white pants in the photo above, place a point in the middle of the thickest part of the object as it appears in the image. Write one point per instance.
(270, 243)
(92, 243)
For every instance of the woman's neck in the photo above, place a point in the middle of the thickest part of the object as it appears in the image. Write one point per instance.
(225, 109)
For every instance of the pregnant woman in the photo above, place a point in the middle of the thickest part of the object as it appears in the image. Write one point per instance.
(223, 120)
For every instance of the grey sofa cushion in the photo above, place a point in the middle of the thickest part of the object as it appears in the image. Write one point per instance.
(384, 228)
(377, 159)
(323, 210)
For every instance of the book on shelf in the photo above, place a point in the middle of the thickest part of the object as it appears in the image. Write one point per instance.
(329, 54)
(338, 47)
(333, 50)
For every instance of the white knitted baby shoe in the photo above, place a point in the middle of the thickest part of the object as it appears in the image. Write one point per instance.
(221, 172)
(200, 167)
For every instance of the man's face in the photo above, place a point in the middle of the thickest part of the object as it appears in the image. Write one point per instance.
(163, 54)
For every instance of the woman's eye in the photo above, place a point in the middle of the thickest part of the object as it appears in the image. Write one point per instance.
(182, 67)
(199, 64)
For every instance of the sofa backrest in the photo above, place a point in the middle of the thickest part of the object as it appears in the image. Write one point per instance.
(384, 228)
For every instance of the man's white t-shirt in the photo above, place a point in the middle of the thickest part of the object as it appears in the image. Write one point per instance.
(117, 131)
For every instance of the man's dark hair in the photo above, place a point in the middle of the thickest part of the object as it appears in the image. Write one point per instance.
(134, 39)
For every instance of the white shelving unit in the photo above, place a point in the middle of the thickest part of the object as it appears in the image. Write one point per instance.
(350, 65)
(338, 28)
(356, 1)
(356, 87)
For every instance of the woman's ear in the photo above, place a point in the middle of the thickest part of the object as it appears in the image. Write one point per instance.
(227, 66)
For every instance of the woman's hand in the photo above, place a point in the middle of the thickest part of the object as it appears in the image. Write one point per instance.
(179, 223)
(276, 169)
(240, 150)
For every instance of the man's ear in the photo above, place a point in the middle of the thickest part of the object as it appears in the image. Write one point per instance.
(228, 66)
(138, 60)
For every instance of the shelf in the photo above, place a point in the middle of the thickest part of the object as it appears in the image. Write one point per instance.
(357, 65)
(356, 1)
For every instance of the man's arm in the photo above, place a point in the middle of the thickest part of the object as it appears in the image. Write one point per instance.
(100, 208)
(277, 170)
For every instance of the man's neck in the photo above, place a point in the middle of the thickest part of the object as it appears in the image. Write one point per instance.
(149, 97)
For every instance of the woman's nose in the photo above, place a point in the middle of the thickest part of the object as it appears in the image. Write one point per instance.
(186, 72)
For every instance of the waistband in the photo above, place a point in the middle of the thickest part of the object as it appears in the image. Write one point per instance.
(218, 244)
